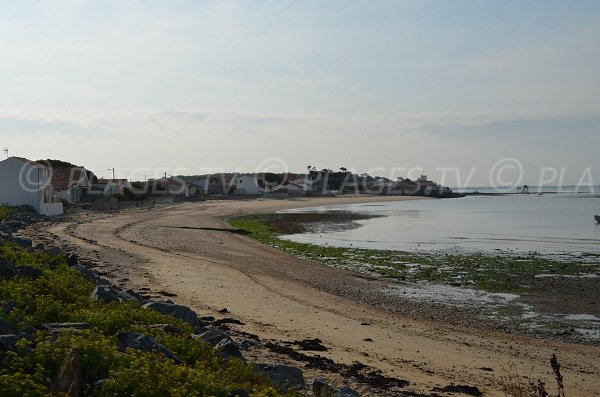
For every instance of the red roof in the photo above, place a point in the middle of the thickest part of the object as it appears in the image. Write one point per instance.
(63, 178)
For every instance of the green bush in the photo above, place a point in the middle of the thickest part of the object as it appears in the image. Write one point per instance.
(62, 295)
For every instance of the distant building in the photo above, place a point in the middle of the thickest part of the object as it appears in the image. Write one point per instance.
(69, 183)
(110, 187)
(25, 182)
(247, 184)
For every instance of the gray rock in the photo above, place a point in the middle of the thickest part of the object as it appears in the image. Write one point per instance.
(23, 242)
(7, 328)
(8, 342)
(71, 259)
(283, 376)
(29, 272)
(87, 274)
(227, 349)
(322, 389)
(346, 392)
(180, 312)
(51, 326)
(52, 251)
(68, 380)
(168, 328)
(7, 268)
(108, 293)
(9, 305)
(143, 343)
(214, 336)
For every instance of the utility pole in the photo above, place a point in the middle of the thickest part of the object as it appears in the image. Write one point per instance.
(6, 151)
(113, 171)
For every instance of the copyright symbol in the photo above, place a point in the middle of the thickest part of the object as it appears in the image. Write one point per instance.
(506, 174)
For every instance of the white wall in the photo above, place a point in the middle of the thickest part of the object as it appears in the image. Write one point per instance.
(247, 184)
(23, 183)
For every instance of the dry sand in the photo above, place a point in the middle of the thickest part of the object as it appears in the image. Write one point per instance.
(271, 292)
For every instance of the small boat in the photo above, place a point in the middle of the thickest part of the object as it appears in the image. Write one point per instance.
(597, 218)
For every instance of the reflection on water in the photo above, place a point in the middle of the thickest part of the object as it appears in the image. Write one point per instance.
(549, 224)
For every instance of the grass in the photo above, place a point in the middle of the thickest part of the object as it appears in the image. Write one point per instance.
(496, 273)
(62, 295)
(4, 211)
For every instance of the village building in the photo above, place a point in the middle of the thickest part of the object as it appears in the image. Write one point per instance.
(25, 182)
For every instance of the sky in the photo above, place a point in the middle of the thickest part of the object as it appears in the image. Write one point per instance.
(468, 92)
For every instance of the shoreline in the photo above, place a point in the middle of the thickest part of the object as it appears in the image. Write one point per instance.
(269, 291)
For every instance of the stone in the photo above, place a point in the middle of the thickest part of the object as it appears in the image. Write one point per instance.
(346, 392)
(143, 343)
(169, 328)
(8, 342)
(87, 274)
(214, 336)
(30, 272)
(68, 381)
(7, 328)
(23, 242)
(52, 251)
(227, 349)
(322, 389)
(180, 312)
(9, 305)
(284, 376)
(109, 293)
(71, 259)
(7, 268)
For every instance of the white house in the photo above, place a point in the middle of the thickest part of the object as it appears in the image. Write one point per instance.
(110, 187)
(25, 182)
(247, 184)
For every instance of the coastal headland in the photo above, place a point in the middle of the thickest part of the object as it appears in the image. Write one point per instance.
(189, 253)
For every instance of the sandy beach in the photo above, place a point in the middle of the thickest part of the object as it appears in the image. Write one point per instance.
(180, 251)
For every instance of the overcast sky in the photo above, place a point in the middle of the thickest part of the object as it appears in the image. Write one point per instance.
(186, 87)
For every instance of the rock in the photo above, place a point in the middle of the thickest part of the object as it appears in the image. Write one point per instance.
(464, 389)
(8, 306)
(8, 342)
(214, 336)
(311, 345)
(169, 328)
(71, 259)
(108, 293)
(322, 389)
(143, 343)
(57, 326)
(52, 251)
(7, 328)
(7, 268)
(87, 274)
(346, 392)
(283, 376)
(23, 242)
(68, 380)
(29, 272)
(180, 312)
(227, 349)
(239, 393)
(224, 310)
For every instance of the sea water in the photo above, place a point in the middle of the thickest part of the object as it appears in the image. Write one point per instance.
(552, 224)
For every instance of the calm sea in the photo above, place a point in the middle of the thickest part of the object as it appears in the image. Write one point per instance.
(552, 224)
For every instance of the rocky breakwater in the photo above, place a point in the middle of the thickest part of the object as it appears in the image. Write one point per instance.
(115, 327)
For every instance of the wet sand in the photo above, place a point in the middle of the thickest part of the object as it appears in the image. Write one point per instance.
(179, 249)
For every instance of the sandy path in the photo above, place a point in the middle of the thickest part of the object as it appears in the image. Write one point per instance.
(268, 290)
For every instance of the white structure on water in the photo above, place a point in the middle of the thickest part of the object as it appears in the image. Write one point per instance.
(25, 182)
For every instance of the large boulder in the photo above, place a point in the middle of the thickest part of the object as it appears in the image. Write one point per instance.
(71, 259)
(68, 381)
(7, 268)
(8, 342)
(227, 349)
(284, 376)
(180, 312)
(7, 328)
(30, 272)
(322, 389)
(143, 343)
(214, 336)
(109, 293)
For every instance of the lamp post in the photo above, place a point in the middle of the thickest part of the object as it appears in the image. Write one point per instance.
(113, 171)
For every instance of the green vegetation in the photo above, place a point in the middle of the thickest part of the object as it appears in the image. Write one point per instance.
(497, 273)
(4, 211)
(62, 295)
